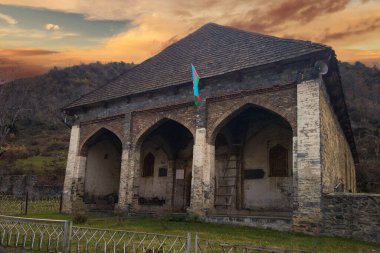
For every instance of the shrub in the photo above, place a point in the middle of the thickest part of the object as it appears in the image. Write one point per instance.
(80, 217)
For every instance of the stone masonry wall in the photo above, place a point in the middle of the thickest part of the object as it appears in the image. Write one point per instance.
(337, 162)
(307, 202)
(352, 215)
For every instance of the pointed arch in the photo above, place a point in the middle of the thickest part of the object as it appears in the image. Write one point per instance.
(139, 138)
(148, 165)
(102, 133)
(236, 110)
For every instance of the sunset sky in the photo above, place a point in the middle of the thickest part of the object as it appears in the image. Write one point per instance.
(36, 35)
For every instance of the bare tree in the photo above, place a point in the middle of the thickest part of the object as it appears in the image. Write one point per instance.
(12, 101)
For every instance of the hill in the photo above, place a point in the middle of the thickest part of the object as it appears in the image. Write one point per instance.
(38, 143)
(361, 86)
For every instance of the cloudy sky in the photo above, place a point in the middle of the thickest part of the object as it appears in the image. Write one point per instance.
(38, 34)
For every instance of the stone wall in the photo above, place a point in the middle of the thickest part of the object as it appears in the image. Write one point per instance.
(35, 185)
(338, 168)
(352, 215)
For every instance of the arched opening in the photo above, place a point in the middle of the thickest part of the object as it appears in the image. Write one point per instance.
(102, 174)
(148, 165)
(253, 161)
(166, 154)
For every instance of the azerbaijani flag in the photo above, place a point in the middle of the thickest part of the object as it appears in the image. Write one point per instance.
(196, 79)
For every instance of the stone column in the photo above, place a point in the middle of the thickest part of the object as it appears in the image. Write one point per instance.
(197, 196)
(70, 169)
(124, 175)
(127, 169)
(308, 184)
(132, 177)
(203, 171)
(209, 178)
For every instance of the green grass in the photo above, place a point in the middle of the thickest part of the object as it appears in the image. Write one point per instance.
(227, 233)
(37, 163)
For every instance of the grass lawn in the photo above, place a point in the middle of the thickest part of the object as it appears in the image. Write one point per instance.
(227, 233)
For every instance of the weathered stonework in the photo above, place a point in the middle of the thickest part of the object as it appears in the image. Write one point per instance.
(352, 215)
(338, 173)
(307, 213)
(70, 169)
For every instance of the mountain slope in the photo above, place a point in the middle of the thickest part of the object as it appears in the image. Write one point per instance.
(38, 142)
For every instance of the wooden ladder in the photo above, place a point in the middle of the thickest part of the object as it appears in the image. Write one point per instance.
(227, 183)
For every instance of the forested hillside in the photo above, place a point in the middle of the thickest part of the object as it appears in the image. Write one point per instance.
(361, 86)
(38, 142)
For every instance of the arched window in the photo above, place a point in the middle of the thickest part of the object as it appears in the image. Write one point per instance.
(148, 167)
(278, 161)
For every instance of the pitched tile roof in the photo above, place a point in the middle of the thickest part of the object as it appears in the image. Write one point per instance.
(213, 49)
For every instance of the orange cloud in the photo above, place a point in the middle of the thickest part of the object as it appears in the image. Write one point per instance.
(25, 52)
(367, 25)
(277, 15)
(368, 57)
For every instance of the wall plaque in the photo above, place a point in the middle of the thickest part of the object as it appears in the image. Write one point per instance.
(180, 174)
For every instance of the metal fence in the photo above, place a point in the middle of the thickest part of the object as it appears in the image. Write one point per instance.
(60, 236)
(35, 234)
(25, 204)
(105, 240)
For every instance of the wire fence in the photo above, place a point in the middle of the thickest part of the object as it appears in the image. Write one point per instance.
(25, 204)
(44, 235)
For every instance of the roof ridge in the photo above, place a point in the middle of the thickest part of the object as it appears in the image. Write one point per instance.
(264, 35)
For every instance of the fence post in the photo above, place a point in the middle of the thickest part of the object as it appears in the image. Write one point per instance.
(188, 244)
(64, 241)
(70, 235)
(26, 202)
(196, 243)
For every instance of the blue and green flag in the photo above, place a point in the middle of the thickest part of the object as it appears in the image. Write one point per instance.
(196, 79)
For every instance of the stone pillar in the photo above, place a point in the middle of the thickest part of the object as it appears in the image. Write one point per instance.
(203, 171)
(124, 176)
(132, 177)
(70, 169)
(209, 178)
(197, 196)
(307, 213)
(126, 170)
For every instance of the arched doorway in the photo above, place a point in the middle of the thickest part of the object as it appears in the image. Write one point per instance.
(253, 163)
(164, 179)
(102, 174)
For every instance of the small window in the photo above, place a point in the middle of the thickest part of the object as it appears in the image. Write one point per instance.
(278, 161)
(148, 167)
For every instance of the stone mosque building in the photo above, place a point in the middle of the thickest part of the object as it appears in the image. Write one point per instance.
(269, 142)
